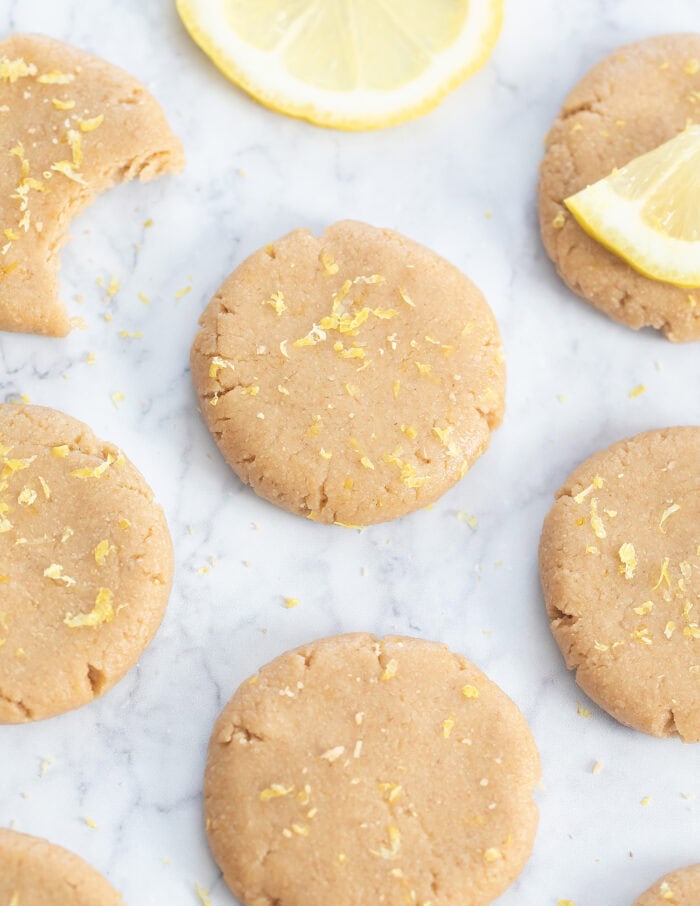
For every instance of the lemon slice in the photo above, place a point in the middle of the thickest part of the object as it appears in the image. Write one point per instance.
(351, 64)
(648, 212)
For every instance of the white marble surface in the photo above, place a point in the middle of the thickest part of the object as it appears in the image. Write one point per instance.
(133, 761)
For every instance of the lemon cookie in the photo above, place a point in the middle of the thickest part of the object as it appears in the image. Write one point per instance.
(680, 888)
(353, 770)
(85, 564)
(633, 101)
(620, 567)
(350, 378)
(34, 872)
(71, 125)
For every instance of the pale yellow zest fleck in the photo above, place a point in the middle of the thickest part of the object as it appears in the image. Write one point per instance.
(448, 726)
(559, 221)
(334, 754)
(390, 791)
(90, 823)
(329, 265)
(394, 848)
(61, 451)
(96, 472)
(289, 603)
(390, 670)
(406, 298)
(566, 903)
(670, 628)
(692, 631)
(366, 462)
(103, 549)
(644, 608)
(301, 830)
(75, 143)
(492, 854)
(637, 391)
(283, 348)
(628, 560)
(26, 496)
(203, 894)
(118, 398)
(55, 78)
(10, 466)
(55, 572)
(251, 390)
(217, 363)
(423, 368)
(592, 549)
(582, 711)
(599, 646)
(596, 521)
(11, 70)
(92, 124)
(62, 105)
(410, 432)
(691, 66)
(645, 801)
(396, 388)
(409, 476)
(665, 891)
(102, 612)
(663, 576)
(597, 482)
(597, 768)
(467, 519)
(314, 336)
(325, 454)
(470, 691)
(669, 511)
(183, 292)
(642, 636)
(275, 791)
(276, 302)
(66, 168)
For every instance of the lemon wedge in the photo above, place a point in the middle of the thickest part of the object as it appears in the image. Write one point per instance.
(350, 64)
(648, 213)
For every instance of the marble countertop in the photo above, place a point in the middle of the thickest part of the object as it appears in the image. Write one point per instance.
(462, 181)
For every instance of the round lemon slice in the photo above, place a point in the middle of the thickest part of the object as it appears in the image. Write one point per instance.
(350, 64)
(648, 212)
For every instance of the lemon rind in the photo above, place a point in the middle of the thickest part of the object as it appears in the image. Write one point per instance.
(483, 40)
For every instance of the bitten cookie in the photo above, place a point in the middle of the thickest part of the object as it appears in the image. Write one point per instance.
(620, 567)
(633, 101)
(680, 888)
(353, 770)
(71, 125)
(351, 378)
(85, 564)
(34, 872)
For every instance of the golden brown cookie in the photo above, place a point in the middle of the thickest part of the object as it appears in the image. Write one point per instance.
(34, 872)
(85, 564)
(620, 567)
(680, 888)
(633, 101)
(71, 125)
(350, 378)
(353, 770)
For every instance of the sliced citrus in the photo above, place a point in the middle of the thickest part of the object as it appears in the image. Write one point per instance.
(648, 212)
(351, 64)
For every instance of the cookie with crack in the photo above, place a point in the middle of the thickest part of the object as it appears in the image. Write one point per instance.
(680, 888)
(352, 377)
(353, 770)
(85, 564)
(71, 126)
(34, 872)
(620, 568)
(633, 101)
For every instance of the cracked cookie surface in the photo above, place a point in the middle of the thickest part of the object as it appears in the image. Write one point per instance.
(352, 377)
(71, 126)
(356, 770)
(620, 569)
(85, 564)
(34, 872)
(630, 103)
(681, 888)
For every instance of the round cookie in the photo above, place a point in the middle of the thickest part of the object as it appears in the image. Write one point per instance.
(34, 872)
(680, 888)
(353, 770)
(620, 568)
(72, 125)
(351, 378)
(85, 564)
(633, 101)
